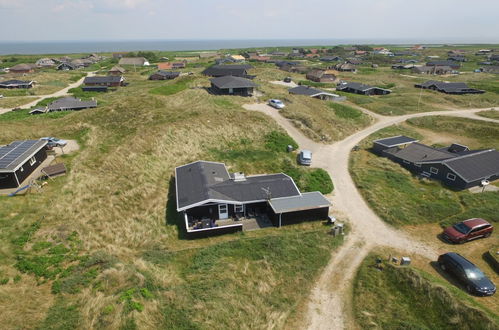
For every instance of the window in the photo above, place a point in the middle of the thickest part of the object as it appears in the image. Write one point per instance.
(238, 208)
(433, 170)
(451, 176)
(32, 161)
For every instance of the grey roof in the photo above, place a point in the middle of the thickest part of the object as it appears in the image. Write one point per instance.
(442, 63)
(240, 70)
(448, 87)
(395, 141)
(417, 152)
(12, 156)
(305, 90)
(166, 73)
(475, 166)
(103, 79)
(357, 86)
(14, 82)
(232, 82)
(117, 68)
(307, 201)
(132, 61)
(71, 103)
(201, 182)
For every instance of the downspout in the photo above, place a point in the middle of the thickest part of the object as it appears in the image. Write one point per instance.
(280, 214)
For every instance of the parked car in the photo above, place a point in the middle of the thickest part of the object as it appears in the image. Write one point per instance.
(54, 142)
(467, 273)
(276, 104)
(1, 96)
(287, 80)
(468, 230)
(305, 158)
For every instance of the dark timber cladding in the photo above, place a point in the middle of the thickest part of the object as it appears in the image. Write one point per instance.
(103, 81)
(16, 84)
(232, 86)
(382, 144)
(212, 200)
(18, 160)
(456, 166)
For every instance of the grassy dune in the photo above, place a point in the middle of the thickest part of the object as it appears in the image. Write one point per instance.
(102, 246)
(413, 299)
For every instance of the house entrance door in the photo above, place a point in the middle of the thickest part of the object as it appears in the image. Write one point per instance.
(223, 211)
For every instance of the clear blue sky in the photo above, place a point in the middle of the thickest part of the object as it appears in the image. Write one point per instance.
(469, 21)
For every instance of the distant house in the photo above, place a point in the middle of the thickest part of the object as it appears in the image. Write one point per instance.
(452, 64)
(322, 76)
(22, 68)
(82, 63)
(404, 53)
(65, 104)
(403, 66)
(457, 58)
(16, 84)
(490, 69)
(294, 68)
(45, 62)
(345, 67)
(18, 160)
(483, 52)
(231, 85)
(456, 166)
(315, 93)
(119, 55)
(358, 88)
(494, 58)
(109, 81)
(237, 58)
(205, 55)
(458, 88)
(440, 70)
(171, 65)
(354, 60)
(213, 201)
(331, 59)
(259, 58)
(279, 54)
(116, 71)
(164, 75)
(136, 61)
(66, 66)
(237, 70)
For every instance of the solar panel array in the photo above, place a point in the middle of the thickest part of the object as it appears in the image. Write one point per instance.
(12, 154)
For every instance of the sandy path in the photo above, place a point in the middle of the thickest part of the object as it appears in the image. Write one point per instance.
(59, 93)
(330, 298)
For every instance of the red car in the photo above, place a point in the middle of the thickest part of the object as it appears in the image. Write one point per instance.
(468, 230)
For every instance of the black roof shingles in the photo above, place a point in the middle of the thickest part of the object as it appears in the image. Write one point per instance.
(226, 82)
(17, 153)
(202, 181)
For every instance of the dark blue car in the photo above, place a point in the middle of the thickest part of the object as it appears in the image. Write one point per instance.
(467, 273)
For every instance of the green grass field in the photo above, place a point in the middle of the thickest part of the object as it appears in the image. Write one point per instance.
(408, 298)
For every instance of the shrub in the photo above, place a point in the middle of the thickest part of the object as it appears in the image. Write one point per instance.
(344, 111)
(318, 180)
(277, 141)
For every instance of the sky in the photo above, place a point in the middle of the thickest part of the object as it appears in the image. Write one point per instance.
(77, 20)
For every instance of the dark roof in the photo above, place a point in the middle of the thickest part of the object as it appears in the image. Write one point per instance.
(12, 156)
(232, 82)
(166, 74)
(417, 152)
(14, 82)
(475, 166)
(451, 88)
(356, 86)
(201, 182)
(442, 63)
(306, 201)
(103, 79)
(305, 90)
(395, 141)
(71, 103)
(227, 70)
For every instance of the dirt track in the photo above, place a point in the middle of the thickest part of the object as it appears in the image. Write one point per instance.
(326, 306)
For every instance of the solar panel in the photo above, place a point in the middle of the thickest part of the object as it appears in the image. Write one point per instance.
(16, 152)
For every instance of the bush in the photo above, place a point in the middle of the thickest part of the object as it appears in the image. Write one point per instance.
(318, 180)
(345, 111)
(172, 88)
(277, 141)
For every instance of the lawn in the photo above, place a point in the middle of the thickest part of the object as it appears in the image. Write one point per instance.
(494, 114)
(400, 198)
(12, 102)
(413, 299)
(103, 247)
(46, 82)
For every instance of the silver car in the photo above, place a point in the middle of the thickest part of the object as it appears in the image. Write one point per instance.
(276, 104)
(305, 157)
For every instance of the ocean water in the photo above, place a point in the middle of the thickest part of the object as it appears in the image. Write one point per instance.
(66, 47)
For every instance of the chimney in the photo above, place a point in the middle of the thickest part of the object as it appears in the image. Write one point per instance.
(239, 176)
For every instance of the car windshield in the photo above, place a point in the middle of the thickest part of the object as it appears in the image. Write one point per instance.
(474, 273)
(462, 228)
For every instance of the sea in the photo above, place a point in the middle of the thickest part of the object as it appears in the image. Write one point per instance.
(67, 47)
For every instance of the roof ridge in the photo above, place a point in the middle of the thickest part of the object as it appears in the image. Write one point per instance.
(469, 155)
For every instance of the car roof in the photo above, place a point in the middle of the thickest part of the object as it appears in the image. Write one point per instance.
(306, 153)
(474, 222)
(460, 260)
(276, 100)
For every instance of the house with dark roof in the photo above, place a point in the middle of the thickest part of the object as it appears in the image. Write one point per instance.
(454, 65)
(440, 70)
(164, 75)
(330, 59)
(315, 93)
(18, 160)
(109, 81)
(64, 104)
(358, 88)
(458, 88)
(457, 58)
(345, 67)
(236, 70)
(231, 85)
(213, 201)
(320, 75)
(66, 66)
(16, 84)
(456, 166)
